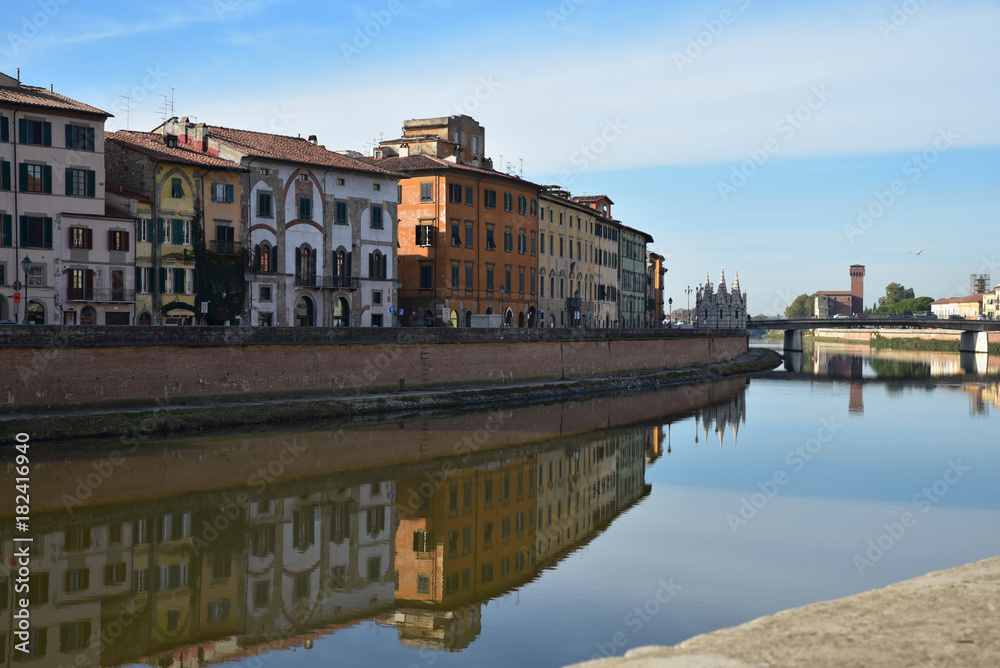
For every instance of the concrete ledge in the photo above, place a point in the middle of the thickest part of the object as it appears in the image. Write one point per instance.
(944, 618)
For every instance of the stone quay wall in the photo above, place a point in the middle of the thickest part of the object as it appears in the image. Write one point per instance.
(53, 367)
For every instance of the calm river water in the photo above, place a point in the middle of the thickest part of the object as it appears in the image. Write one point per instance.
(539, 536)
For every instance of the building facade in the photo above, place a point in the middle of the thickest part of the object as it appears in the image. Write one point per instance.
(655, 274)
(968, 307)
(51, 180)
(468, 235)
(634, 308)
(576, 262)
(828, 303)
(721, 308)
(321, 226)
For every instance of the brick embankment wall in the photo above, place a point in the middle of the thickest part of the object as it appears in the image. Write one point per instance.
(80, 367)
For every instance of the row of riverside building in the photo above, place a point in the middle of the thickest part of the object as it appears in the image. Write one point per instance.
(199, 224)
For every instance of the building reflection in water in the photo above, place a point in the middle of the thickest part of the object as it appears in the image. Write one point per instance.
(227, 574)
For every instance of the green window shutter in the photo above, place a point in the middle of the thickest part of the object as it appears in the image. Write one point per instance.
(22, 177)
(69, 136)
(178, 231)
(163, 280)
(138, 278)
(5, 175)
(90, 139)
(194, 280)
(178, 281)
(7, 231)
(24, 229)
(46, 134)
(4, 129)
(230, 193)
(22, 131)
(69, 179)
(47, 179)
(47, 243)
(159, 230)
(91, 183)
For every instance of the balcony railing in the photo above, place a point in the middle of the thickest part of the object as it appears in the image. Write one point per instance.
(224, 247)
(328, 282)
(100, 295)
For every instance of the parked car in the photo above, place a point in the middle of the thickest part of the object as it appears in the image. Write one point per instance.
(955, 317)
(860, 315)
(840, 316)
(982, 316)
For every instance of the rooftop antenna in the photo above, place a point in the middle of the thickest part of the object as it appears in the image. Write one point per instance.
(127, 108)
(521, 160)
(168, 106)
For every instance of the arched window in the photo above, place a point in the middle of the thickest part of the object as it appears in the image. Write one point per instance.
(377, 264)
(265, 258)
(341, 313)
(305, 266)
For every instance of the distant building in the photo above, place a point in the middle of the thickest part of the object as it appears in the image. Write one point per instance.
(829, 303)
(655, 273)
(721, 308)
(967, 307)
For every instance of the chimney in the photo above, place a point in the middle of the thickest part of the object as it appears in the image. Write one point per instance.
(313, 140)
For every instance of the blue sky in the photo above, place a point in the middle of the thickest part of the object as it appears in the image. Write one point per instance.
(738, 133)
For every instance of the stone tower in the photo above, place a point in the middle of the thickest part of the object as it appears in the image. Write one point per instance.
(857, 288)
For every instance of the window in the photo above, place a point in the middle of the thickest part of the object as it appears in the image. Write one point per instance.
(425, 235)
(340, 212)
(532, 281)
(377, 187)
(265, 258)
(490, 243)
(422, 541)
(77, 579)
(261, 593)
(508, 240)
(561, 246)
(427, 192)
(423, 584)
(468, 276)
(80, 182)
(178, 282)
(468, 195)
(114, 573)
(80, 237)
(304, 176)
(454, 275)
(489, 277)
(376, 222)
(456, 237)
(506, 282)
(176, 189)
(520, 279)
(143, 229)
(468, 235)
(79, 138)
(426, 277)
(487, 534)
(534, 208)
(455, 193)
(377, 297)
(33, 178)
(522, 243)
(38, 133)
(541, 248)
(487, 573)
(508, 201)
(377, 265)
(118, 240)
(340, 182)
(223, 192)
(265, 293)
(490, 199)
(36, 232)
(522, 205)
(305, 207)
(374, 569)
(265, 204)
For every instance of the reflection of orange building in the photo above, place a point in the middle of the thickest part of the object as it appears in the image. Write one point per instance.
(469, 537)
(465, 230)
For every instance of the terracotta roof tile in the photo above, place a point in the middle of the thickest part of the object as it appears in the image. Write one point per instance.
(115, 212)
(959, 300)
(292, 149)
(119, 189)
(592, 198)
(424, 161)
(151, 144)
(41, 97)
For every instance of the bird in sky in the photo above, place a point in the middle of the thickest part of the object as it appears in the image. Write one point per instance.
(918, 252)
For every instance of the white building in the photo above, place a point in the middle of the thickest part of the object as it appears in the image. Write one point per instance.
(52, 179)
(322, 228)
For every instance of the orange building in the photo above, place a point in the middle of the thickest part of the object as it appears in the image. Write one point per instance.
(467, 233)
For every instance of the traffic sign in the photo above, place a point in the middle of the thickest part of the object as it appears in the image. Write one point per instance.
(17, 297)
(17, 286)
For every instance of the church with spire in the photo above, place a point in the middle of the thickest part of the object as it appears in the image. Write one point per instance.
(721, 308)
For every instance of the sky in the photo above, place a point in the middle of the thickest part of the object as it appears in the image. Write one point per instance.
(781, 140)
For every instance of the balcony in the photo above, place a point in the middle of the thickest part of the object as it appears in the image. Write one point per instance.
(100, 295)
(328, 282)
(573, 304)
(224, 247)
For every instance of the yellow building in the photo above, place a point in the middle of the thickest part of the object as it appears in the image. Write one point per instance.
(969, 307)
(991, 304)
(186, 195)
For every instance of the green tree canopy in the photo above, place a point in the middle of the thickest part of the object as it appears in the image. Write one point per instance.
(801, 307)
(895, 293)
(905, 307)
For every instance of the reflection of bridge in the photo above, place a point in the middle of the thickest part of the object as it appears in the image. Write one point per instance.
(973, 340)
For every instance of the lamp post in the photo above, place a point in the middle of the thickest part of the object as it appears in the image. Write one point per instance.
(248, 277)
(670, 311)
(688, 293)
(26, 266)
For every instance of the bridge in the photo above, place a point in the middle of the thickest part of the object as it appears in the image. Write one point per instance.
(973, 340)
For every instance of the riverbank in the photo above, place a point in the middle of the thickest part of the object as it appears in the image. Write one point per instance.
(142, 423)
(944, 618)
(898, 339)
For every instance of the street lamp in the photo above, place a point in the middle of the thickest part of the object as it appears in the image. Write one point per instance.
(670, 311)
(26, 265)
(248, 277)
(503, 314)
(688, 293)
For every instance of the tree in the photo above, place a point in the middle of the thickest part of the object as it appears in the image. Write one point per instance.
(905, 307)
(801, 307)
(895, 293)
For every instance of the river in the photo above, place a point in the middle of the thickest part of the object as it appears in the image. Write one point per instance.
(540, 535)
